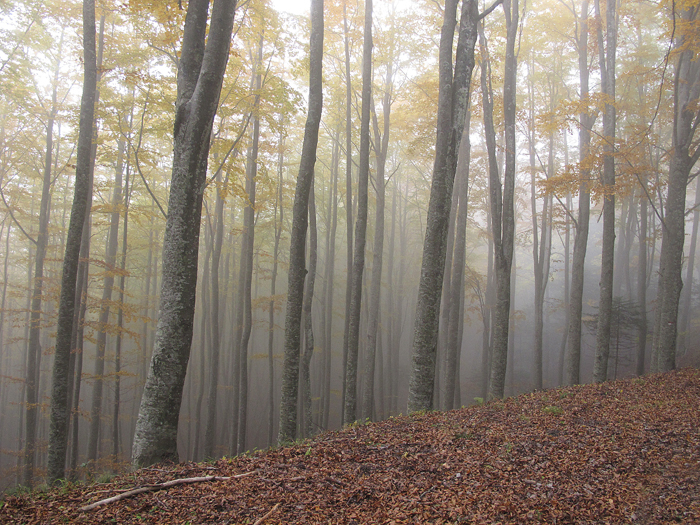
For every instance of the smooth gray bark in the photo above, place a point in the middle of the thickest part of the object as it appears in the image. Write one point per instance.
(607, 54)
(455, 293)
(642, 276)
(381, 148)
(34, 350)
(200, 76)
(348, 203)
(58, 431)
(686, 116)
(107, 287)
(573, 355)
(308, 349)
(297, 256)
(502, 201)
(686, 298)
(358, 262)
(453, 102)
(273, 288)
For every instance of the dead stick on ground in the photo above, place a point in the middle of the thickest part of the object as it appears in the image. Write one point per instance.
(259, 522)
(161, 486)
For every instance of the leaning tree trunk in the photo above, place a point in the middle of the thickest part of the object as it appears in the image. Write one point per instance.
(358, 263)
(297, 259)
(58, 430)
(453, 104)
(200, 76)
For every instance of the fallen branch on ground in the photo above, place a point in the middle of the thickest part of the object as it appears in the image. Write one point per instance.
(259, 522)
(161, 486)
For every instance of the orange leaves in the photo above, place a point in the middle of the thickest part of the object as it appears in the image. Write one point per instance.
(615, 452)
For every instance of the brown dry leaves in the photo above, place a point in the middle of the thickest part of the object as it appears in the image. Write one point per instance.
(620, 452)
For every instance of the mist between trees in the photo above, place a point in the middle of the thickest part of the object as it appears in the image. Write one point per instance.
(471, 201)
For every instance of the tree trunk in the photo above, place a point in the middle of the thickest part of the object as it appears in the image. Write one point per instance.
(381, 147)
(452, 109)
(58, 433)
(502, 208)
(199, 79)
(248, 251)
(642, 277)
(358, 264)
(116, 445)
(686, 115)
(297, 262)
(456, 292)
(687, 298)
(348, 203)
(308, 351)
(607, 69)
(328, 287)
(279, 205)
(34, 350)
(573, 356)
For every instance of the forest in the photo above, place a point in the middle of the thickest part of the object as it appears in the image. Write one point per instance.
(226, 227)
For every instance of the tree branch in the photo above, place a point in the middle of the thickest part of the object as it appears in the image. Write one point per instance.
(161, 486)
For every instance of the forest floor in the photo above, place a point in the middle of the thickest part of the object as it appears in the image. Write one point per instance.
(620, 452)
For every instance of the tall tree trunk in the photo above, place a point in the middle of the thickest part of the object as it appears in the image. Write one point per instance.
(573, 356)
(687, 297)
(452, 109)
(502, 207)
(199, 79)
(297, 262)
(215, 343)
(58, 433)
(358, 264)
(607, 55)
(456, 292)
(279, 205)
(77, 347)
(642, 277)
(686, 116)
(116, 445)
(348, 202)
(34, 350)
(381, 147)
(247, 253)
(308, 349)
(108, 285)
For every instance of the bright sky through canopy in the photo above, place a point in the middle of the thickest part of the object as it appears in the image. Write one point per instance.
(297, 7)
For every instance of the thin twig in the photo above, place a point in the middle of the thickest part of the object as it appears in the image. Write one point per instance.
(258, 522)
(161, 486)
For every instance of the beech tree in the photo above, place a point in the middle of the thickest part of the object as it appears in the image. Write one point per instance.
(607, 51)
(297, 256)
(200, 75)
(358, 261)
(58, 433)
(453, 103)
(684, 155)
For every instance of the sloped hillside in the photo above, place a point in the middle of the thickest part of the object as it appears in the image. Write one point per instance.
(621, 452)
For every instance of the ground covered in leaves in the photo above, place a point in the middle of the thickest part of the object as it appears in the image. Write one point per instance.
(620, 452)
